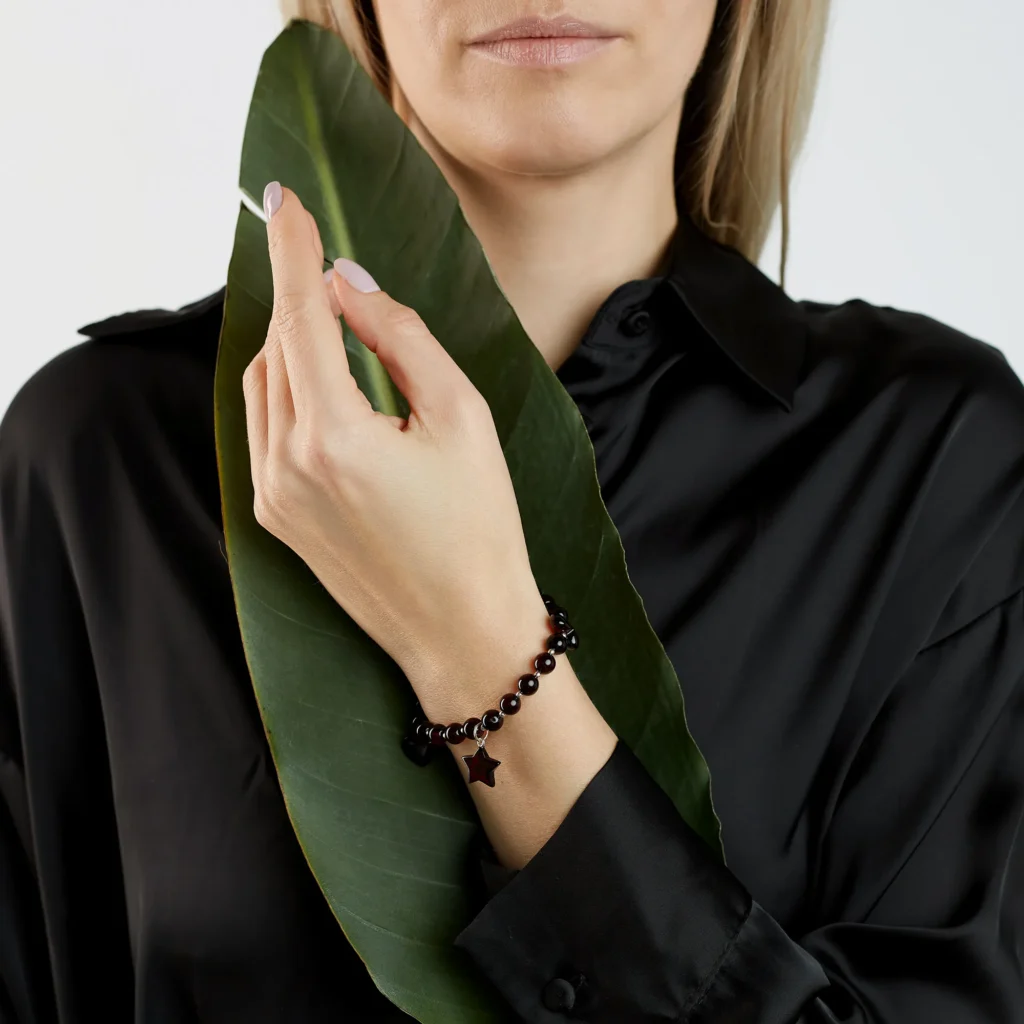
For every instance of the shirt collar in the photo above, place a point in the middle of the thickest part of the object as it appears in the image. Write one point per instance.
(756, 324)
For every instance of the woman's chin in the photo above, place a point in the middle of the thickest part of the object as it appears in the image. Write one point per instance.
(536, 150)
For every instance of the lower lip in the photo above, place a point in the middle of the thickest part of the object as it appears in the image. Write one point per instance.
(543, 52)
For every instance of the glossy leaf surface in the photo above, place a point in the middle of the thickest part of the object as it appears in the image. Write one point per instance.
(390, 842)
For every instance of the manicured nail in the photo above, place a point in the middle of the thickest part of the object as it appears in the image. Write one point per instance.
(272, 197)
(357, 276)
(328, 274)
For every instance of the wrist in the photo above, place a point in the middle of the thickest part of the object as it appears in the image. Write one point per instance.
(561, 709)
(485, 665)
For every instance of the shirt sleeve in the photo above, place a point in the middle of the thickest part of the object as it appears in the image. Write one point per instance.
(63, 938)
(625, 917)
(22, 940)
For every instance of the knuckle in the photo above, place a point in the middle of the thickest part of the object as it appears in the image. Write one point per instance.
(310, 455)
(292, 313)
(250, 377)
(272, 498)
(261, 509)
(315, 456)
(464, 412)
(405, 319)
(471, 406)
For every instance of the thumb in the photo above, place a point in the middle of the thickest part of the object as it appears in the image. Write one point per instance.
(416, 361)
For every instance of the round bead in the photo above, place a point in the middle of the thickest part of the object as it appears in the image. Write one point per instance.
(510, 703)
(469, 727)
(492, 720)
(572, 641)
(560, 618)
(454, 733)
(557, 643)
(419, 753)
(544, 662)
(549, 601)
(528, 684)
(436, 734)
(421, 731)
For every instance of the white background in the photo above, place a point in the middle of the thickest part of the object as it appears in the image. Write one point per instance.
(121, 127)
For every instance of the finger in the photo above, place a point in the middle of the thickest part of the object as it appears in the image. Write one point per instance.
(254, 389)
(332, 297)
(416, 361)
(318, 245)
(280, 402)
(309, 333)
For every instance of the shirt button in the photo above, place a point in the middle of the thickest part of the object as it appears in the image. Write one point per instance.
(636, 323)
(559, 994)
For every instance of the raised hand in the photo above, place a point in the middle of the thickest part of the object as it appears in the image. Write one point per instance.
(411, 524)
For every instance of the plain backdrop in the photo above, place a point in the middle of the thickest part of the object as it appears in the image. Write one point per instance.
(121, 128)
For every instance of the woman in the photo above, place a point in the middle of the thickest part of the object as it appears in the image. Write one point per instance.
(821, 506)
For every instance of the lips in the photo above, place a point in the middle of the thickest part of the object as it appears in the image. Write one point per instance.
(564, 26)
(545, 52)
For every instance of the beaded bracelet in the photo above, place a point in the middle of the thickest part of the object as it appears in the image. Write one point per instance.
(425, 737)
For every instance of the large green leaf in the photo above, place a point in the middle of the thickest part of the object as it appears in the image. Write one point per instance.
(390, 842)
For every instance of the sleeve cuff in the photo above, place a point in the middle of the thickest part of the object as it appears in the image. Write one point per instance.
(625, 915)
(494, 874)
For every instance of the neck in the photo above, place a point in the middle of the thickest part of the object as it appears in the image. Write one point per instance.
(559, 245)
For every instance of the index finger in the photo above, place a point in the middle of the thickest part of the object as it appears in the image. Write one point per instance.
(309, 333)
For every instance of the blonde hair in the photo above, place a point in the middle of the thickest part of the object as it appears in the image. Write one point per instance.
(744, 119)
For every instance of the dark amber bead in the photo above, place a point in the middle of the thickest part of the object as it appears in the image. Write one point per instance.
(468, 726)
(492, 720)
(421, 733)
(454, 733)
(557, 643)
(528, 684)
(419, 753)
(549, 601)
(437, 734)
(572, 641)
(510, 703)
(544, 662)
(560, 618)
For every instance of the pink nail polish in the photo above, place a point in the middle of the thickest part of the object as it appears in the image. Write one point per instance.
(357, 276)
(328, 274)
(272, 197)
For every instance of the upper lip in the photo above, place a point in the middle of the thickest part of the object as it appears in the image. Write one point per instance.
(534, 27)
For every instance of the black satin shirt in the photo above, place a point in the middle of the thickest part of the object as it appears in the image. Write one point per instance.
(822, 507)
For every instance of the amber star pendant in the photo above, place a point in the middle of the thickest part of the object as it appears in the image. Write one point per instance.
(481, 767)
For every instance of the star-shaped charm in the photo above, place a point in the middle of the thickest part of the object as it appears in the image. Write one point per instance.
(481, 767)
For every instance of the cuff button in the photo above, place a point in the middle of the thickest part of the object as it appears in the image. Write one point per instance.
(559, 994)
(636, 323)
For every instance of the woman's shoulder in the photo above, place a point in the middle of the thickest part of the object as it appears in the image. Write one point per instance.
(949, 409)
(920, 374)
(141, 371)
(903, 344)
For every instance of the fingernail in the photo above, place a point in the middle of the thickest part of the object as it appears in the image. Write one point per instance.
(328, 274)
(272, 197)
(357, 276)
